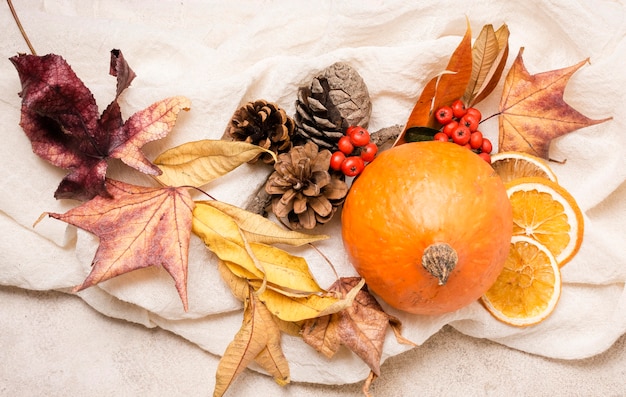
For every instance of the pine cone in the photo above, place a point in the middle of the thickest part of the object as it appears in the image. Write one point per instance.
(336, 99)
(265, 124)
(302, 189)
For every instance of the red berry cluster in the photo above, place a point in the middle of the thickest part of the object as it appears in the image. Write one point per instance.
(355, 150)
(460, 125)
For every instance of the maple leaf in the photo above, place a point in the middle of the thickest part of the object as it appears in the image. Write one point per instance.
(361, 327)
(257, 340)
(533, 112)
(60, 117)
(138, 227)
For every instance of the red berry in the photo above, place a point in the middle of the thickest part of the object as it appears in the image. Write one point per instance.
(458, 108)
(470, 122)
(486, 147)
(369, 152)
(360, 137)
(352, 166)
(485, 156)
(336, 160)
(440, 136)
(352, 129)
(448, 128)
(444, 115)
(475, 112)
(345, 145)
(461, 135)
(476, 140)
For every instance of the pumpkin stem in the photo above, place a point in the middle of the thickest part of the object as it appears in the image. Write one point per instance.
(440, 259)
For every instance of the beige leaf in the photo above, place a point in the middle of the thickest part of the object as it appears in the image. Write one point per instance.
(198, 163)
(259, 229)
(257, 340)
(489, 55)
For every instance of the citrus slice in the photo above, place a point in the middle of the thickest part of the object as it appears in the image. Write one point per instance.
(513, 165)
(529, 287)
(547, 213)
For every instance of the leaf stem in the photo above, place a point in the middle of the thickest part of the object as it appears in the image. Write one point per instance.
(20, 27)
(490, 117)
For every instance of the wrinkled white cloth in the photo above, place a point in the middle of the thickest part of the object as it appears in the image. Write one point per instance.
(224, 54)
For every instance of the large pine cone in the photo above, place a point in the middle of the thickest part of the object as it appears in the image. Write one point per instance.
(336, 99)
(264, 124)
(302, 189)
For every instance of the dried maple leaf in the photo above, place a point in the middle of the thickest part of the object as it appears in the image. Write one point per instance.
(533, 112)
(257, 340)
(138, 227)
(442, 89)
(361, 327)
(60, 117)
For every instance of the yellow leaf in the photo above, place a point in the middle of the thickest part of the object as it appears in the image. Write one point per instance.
(259, 229)
(489, 55)
(284, 270)
(297, 309)
(198, 163)
(238, 285)
(257, 340)
(222, 236)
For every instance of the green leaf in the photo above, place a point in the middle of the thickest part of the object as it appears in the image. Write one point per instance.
(419, 134)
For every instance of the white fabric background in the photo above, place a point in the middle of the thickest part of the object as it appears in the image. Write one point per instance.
(222, 55)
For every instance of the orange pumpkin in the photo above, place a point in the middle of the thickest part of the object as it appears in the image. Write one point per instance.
(428, 226)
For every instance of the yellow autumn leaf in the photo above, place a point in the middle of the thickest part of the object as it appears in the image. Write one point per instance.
(239, 287)
(259, 229)
(251, 260)
(198, 163)
(222, 236)
(295, 309)
(285, 270)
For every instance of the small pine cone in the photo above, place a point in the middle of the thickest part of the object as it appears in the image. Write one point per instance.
(336, 99)
(264, 124)
(302, 189)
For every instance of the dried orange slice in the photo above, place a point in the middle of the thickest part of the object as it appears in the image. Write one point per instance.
(513, 165)
(547, 213)
(529, 287)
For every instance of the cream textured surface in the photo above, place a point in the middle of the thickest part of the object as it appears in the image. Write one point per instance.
(222, 55)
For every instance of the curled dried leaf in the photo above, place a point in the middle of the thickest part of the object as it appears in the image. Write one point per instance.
(489, 55)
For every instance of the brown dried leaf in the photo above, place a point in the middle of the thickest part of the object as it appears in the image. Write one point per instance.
(489, 54)
(442, 89)
(257, 340)
(361, 327)
(533, 112)
(138, 227)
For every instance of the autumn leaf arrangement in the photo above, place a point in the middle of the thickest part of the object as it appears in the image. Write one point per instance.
(140, 226)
